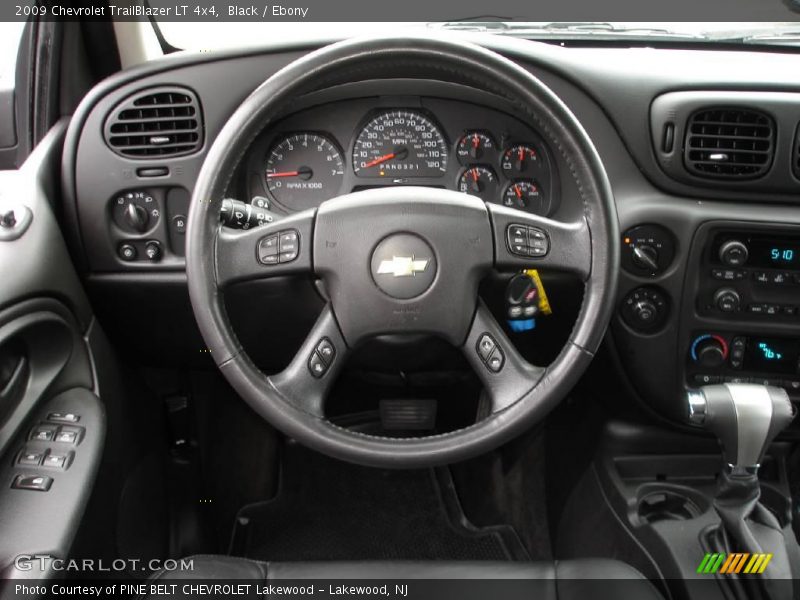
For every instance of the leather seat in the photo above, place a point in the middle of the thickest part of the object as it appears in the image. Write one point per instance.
(582, 579)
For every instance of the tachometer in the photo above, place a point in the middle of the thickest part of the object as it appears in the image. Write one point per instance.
(400, 143)
(303, 170)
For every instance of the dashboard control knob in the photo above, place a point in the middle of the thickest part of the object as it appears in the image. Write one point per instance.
(645, 312)
(645, 309)
(710, 351)
(645, 257)
(136, 217)
(727, 300)
(127, 252)
(153, 251)
(733, 253)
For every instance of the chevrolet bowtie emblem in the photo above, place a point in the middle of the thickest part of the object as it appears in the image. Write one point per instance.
(402, 266)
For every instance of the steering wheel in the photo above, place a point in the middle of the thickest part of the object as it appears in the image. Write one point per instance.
(403, 259)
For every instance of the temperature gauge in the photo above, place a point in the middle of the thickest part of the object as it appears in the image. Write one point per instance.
(479, 181)
(519, 159)
(475, 146)
(526, 194)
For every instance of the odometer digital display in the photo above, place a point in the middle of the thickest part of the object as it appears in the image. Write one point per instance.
(400, 143)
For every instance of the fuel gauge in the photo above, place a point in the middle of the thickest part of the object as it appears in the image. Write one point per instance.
(526, 194)
(479, 181)
(475, 146)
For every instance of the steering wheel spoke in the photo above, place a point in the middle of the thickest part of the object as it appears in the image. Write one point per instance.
(272, 250)
(307, 380)
(525, 240)
(505, 374)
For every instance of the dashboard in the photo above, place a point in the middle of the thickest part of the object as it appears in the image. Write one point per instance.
(709, 278)
(346, 146)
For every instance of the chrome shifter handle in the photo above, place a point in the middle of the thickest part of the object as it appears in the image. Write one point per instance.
(744, 417)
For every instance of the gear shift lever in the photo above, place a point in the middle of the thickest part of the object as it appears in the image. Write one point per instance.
(746, 418)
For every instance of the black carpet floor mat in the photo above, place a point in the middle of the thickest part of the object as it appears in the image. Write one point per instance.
(331, 510)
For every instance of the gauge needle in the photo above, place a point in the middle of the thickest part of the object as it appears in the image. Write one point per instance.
(399, 153)
(476, 184)
(517, 191)
(304, 172)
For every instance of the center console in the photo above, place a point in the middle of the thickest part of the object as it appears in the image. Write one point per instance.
(742, 301)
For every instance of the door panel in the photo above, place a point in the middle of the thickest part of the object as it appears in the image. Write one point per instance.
(52, 423)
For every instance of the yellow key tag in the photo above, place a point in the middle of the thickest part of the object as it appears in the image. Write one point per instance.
(544, 303)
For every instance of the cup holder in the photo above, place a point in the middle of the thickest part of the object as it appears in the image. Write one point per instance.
(663, 503)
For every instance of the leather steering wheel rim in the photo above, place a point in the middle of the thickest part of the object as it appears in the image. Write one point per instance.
(594, 256)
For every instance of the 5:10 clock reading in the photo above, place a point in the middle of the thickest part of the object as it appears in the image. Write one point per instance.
(785, 255)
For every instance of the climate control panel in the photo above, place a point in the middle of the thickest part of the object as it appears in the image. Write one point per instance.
(725, 357)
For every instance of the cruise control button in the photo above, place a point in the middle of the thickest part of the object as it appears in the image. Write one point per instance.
(288, 242)
(37, 483)
(517, 235)
(485, 346)
(285, 257)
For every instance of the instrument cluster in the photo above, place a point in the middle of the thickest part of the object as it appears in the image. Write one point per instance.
(314, 156)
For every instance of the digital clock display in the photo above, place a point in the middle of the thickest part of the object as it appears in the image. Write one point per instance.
(774, 254)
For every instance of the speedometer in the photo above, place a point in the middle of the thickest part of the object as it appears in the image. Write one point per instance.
(400, 143)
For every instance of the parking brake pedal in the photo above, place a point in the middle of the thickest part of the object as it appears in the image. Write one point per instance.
(408, 414)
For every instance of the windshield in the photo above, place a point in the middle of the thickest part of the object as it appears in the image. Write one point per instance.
(198, 36)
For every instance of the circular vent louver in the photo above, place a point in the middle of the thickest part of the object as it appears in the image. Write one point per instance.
(729, 143)
(159, 122)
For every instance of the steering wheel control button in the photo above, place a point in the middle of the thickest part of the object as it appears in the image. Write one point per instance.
(496, 361)
(403, 266)
(288, 246)
(30, 459)
(268, 247)
(486, 346)
(321, 358)
(317, 366)
(527, 241)
(43, 433)
(326, 350)
(490, 353)
(279, 248)
(36, 483)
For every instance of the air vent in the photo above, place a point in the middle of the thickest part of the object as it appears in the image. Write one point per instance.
(158, 123)
(729, 143)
